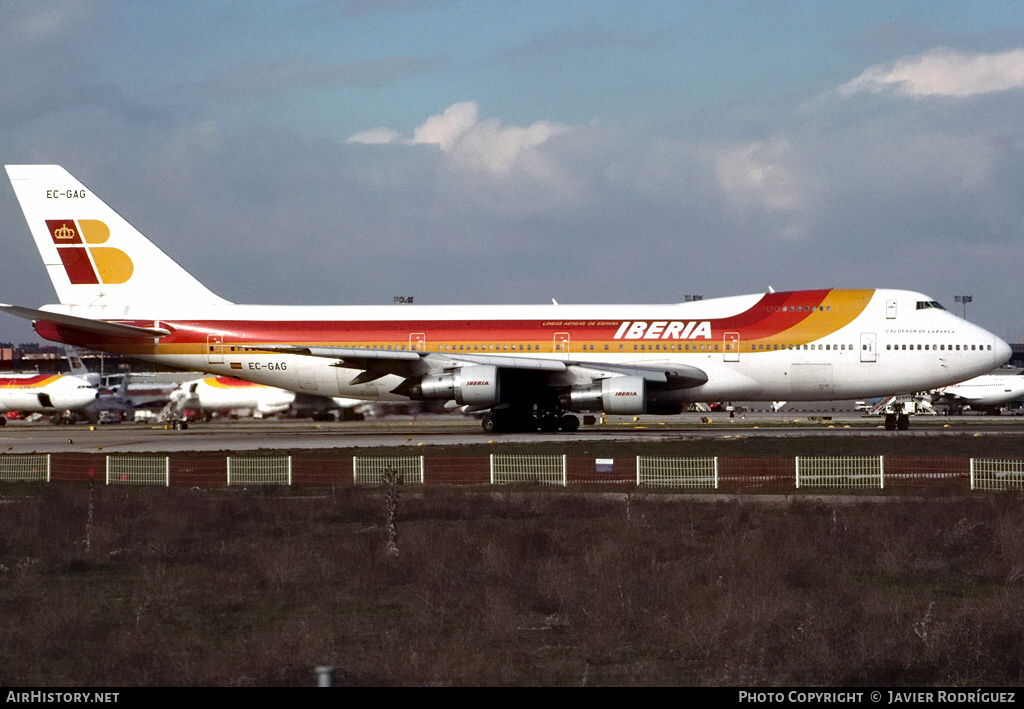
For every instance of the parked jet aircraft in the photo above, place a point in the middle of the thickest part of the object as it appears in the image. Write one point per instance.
(44, 393)
(988, 393)
(529, 366)
(220, 395)
(209, 395)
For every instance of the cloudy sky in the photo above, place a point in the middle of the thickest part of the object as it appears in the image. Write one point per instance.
(502, 152)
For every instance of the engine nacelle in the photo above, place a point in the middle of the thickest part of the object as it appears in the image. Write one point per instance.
(475, 385)
(615, 395)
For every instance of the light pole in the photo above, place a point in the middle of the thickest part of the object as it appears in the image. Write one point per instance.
(965, 299)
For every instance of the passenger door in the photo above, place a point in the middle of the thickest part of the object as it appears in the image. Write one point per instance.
(868, 351)
(561, 342)
(215, 349)
(732, 347)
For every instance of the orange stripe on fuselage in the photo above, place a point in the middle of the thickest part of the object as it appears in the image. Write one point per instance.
(34, 381)
(820, 319)
(229, 383)
(794, 318)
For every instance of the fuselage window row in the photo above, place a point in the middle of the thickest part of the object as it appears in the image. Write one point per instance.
(672, 348)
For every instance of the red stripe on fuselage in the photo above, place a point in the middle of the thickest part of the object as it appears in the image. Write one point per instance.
(772, 314)
(34, 380)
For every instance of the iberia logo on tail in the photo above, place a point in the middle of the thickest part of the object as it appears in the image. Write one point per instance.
(86, 262)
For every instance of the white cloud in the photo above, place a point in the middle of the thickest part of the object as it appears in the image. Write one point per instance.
(763, 178)
(492, 147)
(445, 129)
(375, 136)
(471, 143)
(34, 21)
(761, 174)
(942, 72)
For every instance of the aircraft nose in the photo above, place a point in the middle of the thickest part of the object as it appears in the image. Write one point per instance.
(1001, 351)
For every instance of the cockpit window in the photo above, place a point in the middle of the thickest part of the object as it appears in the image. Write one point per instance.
(922, 304)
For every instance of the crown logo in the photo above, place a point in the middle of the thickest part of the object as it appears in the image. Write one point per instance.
(64, 232)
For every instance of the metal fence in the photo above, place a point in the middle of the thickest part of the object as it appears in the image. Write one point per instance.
(622, 472)
(138, 470)
(370, 471)
(529, 469)
(847, 472)
(259, 470)
(18, 468)
(676, 472)
(997, 474)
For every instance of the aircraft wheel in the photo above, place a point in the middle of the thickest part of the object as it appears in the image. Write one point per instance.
(548, 423)
(569, 423)
(488, 424)
(890, 422)
(902, 422)
(3, 420)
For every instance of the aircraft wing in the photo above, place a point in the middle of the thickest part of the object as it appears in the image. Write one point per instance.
(948, 397)
(376, 363)
(683, 374)
(400, 361)
(99, 327)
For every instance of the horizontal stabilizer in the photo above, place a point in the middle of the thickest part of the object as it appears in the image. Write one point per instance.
(100, 327)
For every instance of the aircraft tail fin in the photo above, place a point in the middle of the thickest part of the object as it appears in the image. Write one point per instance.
(92, 255)
(78, 368)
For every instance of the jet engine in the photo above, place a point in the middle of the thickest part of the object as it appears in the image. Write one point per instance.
(615, 395)
(627, 395)
(473, 385)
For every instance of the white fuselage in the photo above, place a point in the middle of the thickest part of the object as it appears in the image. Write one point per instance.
(37, 393)
(986, 390)
(846, 344)
(211, 394)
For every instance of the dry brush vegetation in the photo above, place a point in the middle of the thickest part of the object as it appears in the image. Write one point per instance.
(122, 587)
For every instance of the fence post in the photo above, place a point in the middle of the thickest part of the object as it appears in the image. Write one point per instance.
(107, 459)
(881, 472)
(492, 468)
(289, 471)
(325, 676)
(716, 471)
(797, 460)
(47, 467)
(638, 471)
(972, 473)
(565, 472)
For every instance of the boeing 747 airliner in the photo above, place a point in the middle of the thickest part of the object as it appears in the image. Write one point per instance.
(528, 367)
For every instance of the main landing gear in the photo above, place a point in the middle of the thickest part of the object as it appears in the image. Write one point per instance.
(524, 420)
(897, 422)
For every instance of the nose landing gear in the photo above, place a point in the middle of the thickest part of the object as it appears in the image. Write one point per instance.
(897, 422)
